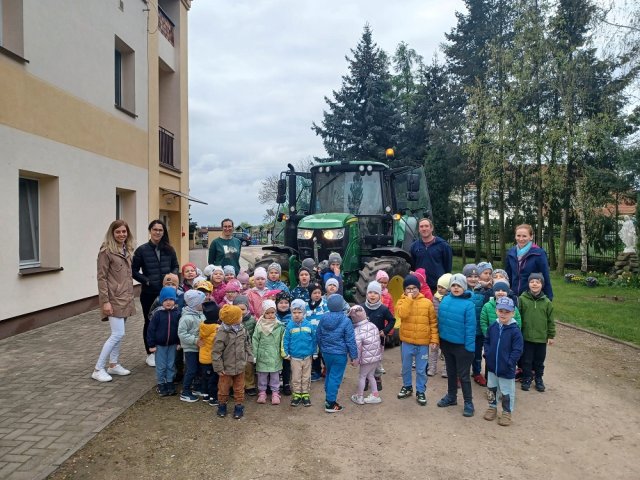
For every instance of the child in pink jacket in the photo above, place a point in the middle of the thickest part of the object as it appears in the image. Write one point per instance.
(369, 355)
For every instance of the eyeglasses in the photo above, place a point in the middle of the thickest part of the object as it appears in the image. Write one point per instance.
(411, 289)
(158, 230)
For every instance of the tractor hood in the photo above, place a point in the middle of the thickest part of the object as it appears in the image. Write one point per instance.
(326, 220)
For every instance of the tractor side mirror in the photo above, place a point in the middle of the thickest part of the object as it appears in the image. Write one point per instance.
(282, 191)
(413, 183)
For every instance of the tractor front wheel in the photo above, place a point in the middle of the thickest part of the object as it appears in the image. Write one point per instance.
(280, 258)
(396, 267)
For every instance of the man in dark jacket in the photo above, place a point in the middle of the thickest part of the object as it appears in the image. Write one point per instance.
(432, 253)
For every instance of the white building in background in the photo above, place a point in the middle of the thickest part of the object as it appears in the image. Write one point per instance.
(93, 127)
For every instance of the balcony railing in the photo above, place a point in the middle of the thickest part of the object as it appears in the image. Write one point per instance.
(165, 25)
(166, 147)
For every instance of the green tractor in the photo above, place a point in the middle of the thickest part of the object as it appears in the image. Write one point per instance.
(363, 210)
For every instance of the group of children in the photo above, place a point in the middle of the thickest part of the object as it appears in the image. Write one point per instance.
(268, 340)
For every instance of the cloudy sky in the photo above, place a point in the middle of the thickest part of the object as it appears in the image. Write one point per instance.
(258, 75)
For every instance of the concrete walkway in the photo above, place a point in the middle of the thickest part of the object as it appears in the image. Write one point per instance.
(49, 405)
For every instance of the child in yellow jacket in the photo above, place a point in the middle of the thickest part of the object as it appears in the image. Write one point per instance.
(208, 330)
(418, 332)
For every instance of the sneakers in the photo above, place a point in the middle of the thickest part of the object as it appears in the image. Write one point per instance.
(490, 414)
(238, 411)
(296, 400)
(357, 399)
(431, 372)
(333, 407)
(421, 398)
(316, 377)
(468, 410)
(188, 397)
(222, 410)
(306, 401)
(405, 392)
(213, 401)
(162, 390)
(206, 397)
(526, 384)
(286, 390)
(447, 401)
(262, 397)
(480, 380)
(151, 360)
(505, 419)
(101, 375)
(118, 370)
(252, 392)
(539, 384)
(372, 399)
(275, 398)
(444, 373)
(171, 389)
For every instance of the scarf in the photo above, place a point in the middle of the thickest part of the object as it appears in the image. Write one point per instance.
(524, 250)
(373, 306)
(236, 327)
(266, 326)
(188, 309)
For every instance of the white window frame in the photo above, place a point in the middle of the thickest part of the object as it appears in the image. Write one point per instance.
(34, 224)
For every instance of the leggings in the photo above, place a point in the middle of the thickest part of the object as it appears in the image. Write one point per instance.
(367, 372)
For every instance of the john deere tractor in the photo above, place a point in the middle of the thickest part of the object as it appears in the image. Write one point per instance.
(363, 210)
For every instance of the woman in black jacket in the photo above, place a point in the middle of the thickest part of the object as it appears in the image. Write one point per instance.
(155, 259)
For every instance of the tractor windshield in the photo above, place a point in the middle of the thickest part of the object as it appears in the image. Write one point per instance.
(350, 192)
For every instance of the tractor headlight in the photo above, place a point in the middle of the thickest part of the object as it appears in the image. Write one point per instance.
(304, 234)
(333, 234)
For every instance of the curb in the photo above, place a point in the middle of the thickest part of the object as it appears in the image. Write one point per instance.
(601, 335)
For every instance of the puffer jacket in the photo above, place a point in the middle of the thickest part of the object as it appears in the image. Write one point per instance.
(189, 329)
(231, 351)
(368, 342)
(503, 347)
(538, 324)
(255, 301)
(534, 261)
(478, 302)
(489, 315)
(153, 268)
(335, 335)
(115, 284)
(163, 327)
(267, 349)
(457, 320)
(419, 323)
(299, 339)
(316, 314)
(387, 301)
(207, 335)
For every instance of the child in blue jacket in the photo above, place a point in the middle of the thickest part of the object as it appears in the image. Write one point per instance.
(162, 338)
(299, 346)
(503, 346)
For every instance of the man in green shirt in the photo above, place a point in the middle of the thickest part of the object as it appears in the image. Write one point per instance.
(225, 250)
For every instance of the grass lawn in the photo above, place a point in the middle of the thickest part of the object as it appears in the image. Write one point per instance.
(613, 311)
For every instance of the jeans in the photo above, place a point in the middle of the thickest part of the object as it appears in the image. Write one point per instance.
(209, 380)
(336, 365)
(458, 361)
(421, 354)
(477, 358)
(165, 363)
(192, 365)
(146, 300)
(111, 347)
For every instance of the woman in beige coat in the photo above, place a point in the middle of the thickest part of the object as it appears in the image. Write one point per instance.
(115, 294)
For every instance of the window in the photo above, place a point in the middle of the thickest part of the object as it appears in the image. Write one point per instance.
(11, 27)
(125, 80)
(126, 206)
(29, 223)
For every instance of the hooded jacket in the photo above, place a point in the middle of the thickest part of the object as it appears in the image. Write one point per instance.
(503, 347)
(534, 261)
(163, 327)
(231, 351)
(189, 329)
(368, 342)
(419, 324)
(115, 284)
(207, 335)
(267, 348)
(457, 320)
(299, 339)
(335, 335)
(538, 324)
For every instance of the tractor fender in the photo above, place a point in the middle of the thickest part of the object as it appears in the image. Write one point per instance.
(392, 252)
(281, 249)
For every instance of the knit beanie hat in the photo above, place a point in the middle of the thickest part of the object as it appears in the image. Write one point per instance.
(470, 269)
(331, 281)
(171, 279)
(229, 270)
(260, 272)
(309, 263)
(168, 293)
(205, 286)
(211, 312)
(374, 287)
(411, 280)
(335, 257)
(243, 277)
(323, 265)
(501, 286)
(458, 279)
(282, 295)
(357, 313)
(304, 269)
(482, 266)
(275, 266)
(505, 303)
(445, 281)
(382, 275)
(194, 298)
(313, 287)
(299, 304)
(501, 272)
(241, 300)
(268, 305)
(208, 270)
(198, 279)
(421, 274)
(189, 264)
(536, 276)
(217, 268)
(233, 286)
(335, 302)
(230, 315)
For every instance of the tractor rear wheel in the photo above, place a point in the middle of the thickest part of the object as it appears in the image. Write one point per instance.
(396, 267)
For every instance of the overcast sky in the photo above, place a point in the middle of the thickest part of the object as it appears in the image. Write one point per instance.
(258, 75)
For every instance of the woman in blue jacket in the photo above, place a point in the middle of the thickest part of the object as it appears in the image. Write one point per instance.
(526, 258)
